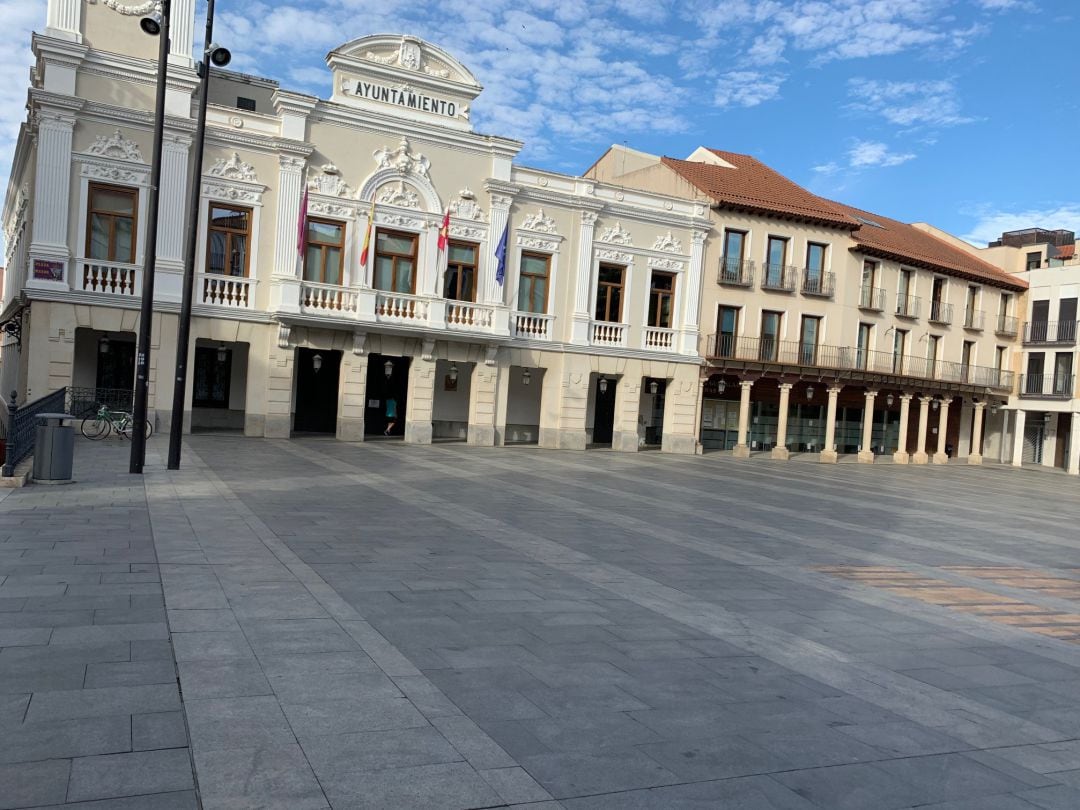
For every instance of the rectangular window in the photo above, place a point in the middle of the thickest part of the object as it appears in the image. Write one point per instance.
(1034, 260)
(1063, 373)
(815, 263)
(1033, 380)
(734, 246)
(932, 345)
(110, 231)
(609, 293)
(965, 359)
(999, 357)
(533, 282)
(395, 261)
(937, 291)
(970, 306)
(228, 239)
(770, 335)
(323, 251)
(808, 340)
(906, 277)
(243, 103)
(727, 328)
(460, 281)
(905, 298)
(1066, 320)
(775, 259)
(213, 369)
(661, 299)
(863, 353)
(869, 298)
(1040, 317)
(899, 347)
(1004, 304)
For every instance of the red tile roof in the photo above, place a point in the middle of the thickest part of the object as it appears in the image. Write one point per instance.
(753, 186)
(1065, 251)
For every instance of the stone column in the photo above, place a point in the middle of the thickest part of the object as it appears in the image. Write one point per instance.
(901, 455)
(62, 21)
(421, 398)
(483, 395)
(1072, 463)
(353, 394)
(279, 388)
(828, 452)
(182, 32)
(943, 424)
(780, 451)
(285, 282)
(920, 456)
(52, 196)
(488, 290)
(1018, 438)
(975, 456)
(173, 214)
(692, 299)
(583, 279)
(624, 436)
(866, 451)
(742, 449)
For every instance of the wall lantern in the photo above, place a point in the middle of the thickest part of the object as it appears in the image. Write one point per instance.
(453, 372)
(526, 377)
(103, 345)
(809, 392)
(602, 385)
(654, 386)
(995, 408)
(721, 387)
(388, 368)
(316, 362)
(889, 400)
(1048, 417)
(935, 403)
(222, 353)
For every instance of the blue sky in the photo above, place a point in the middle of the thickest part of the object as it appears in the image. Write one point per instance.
(962, 113)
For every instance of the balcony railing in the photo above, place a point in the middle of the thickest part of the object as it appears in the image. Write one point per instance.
(1050, 332)
(872, 298)
(532, 325)
(849, 358)
(400, 307)
(818, 283)
(110, 277)
(940, 312)
(328, 299)
(779, 277)
(1047, 386)
(659, 339)
(908, 306)
(235, 292)
(1007, 325)
(974, 319)
(467, 315)
(606, 333)
(736, 272)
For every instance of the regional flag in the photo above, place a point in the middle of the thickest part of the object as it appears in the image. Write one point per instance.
(444, 231)
(367, 234)
(500, 254)
(301, 225)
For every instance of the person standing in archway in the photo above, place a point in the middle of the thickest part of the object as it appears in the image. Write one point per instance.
(391, 415)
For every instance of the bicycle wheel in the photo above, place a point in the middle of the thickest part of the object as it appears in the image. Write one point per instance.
(128, 428)
(94, 427)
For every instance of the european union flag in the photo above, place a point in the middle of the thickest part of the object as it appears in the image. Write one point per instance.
(500, 254)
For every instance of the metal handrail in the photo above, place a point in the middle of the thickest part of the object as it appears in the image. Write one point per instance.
(22, 430)
(940, 312)
(872, 298)
(1050, 332)
(779, 277)
(736, 272)
(907, 306)
(974, 318)
(1007, 325)
(84, 401)
(1047, 386)
(818, 283)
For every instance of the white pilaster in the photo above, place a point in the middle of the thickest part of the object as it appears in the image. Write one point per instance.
(173, 200)
(1018, 438)
(691, 323)
(52, 187)
(290, 193)
(182, 33)
(583, 279)
(488, 290)
(64, 19)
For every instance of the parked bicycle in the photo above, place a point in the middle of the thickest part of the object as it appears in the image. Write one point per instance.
(105, 421)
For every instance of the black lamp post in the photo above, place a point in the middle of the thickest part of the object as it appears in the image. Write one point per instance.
(218, 57)
(157, 24)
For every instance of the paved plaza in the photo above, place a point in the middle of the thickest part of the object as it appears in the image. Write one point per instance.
(310, 624)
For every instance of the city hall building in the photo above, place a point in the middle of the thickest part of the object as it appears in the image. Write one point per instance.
(435, 290)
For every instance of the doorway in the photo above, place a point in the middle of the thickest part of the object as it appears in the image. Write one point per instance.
(604, 410)
(317, 374)
(387, 382)
(1033, 442)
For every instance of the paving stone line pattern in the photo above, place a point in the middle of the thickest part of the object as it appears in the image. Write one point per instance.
(391, 626)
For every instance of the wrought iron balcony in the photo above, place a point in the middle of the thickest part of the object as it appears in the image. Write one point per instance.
(940, 312)
(872, 298)
(1060, 332)
(1047, 386)
(736, 272)
(818, 283)
(973, 319)
(1007, 325)
(908, 306)
(779, 277)
(723, 349)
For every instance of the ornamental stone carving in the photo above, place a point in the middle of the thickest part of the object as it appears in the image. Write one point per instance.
(466, 207)
(615, 235)
(328, 181)
(329, 209)
(116, 146)
(666, 264)
(400, 195)
(409, 56)
(112, 174)
(537, 244)
(667, 242)
(398, 220)
(140, 10)
(465, 232)
(614, 256)
(402, 159)
(283, 331)
(231, 193)
(539, 222)
(233, 169)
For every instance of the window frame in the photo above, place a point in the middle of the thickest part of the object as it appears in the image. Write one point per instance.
(308, 243)
(660, 294)
(824, 258)
(415, 237)
(112, 215)
(475, 267)
(528, 279)
(608, 286)
(210, 229)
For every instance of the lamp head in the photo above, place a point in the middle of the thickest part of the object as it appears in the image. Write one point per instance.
(721, 387)
(602, 385)
(103, 345)
(453, 372)
(654, 386)
(388, 368)
(809, 392)
(316, 362)
(223, 354)
(151, 23)
(218, 56)
(526, 377)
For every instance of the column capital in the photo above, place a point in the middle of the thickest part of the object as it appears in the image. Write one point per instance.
(925, 399)
(979, 405)
(746, 384)
(786, 386)
(834, 390)
(870, 394)
(905, 397)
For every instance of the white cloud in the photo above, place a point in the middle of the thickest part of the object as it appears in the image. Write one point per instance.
(909, 104)
(993, 222)
(1004, 5)
(19, 20)
(746, 88)
(871, 154)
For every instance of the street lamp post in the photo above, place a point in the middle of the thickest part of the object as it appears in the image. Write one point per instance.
(155, 24)
(219, 57)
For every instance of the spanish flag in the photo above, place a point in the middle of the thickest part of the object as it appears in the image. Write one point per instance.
(367, 234)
